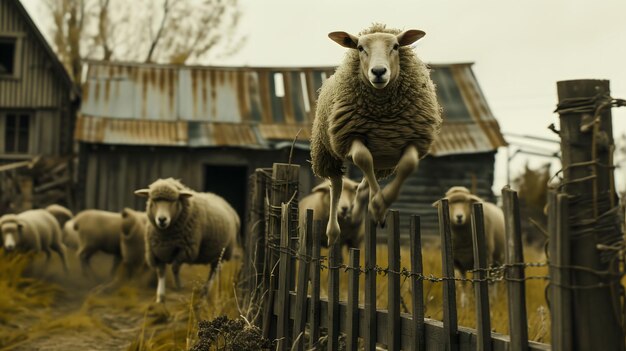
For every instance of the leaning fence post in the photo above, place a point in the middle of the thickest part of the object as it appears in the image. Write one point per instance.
(450, 326)
(284, 274)
(417, 285)
(369, 326)
(514, 272)
(284, 188)
(304, 267)
(481, 286)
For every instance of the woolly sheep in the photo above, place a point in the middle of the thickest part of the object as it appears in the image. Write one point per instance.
(98, 231)
(460, 202)
(69, 236)
(133, 242)
(186, 227)
(33, 230)
(350, 217)
(380, 111)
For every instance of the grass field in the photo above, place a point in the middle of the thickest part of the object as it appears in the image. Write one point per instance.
(41, 308)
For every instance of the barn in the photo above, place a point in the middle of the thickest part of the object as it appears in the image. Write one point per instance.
(213, 126)
(38, 104)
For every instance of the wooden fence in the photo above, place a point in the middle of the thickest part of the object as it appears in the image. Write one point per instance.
(289, 264)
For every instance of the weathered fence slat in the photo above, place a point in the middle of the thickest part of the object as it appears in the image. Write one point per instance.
(314, 317)
(283, 186)
(352, 317)
(393, 280)
(514, 273)
(304, 267)
(369, 325)
(450, 324)
(333, 296)
(284, 272)
(481, 286)
(560, 295)
(417, 286)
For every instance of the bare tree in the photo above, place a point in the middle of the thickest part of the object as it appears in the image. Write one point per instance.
(166, 31)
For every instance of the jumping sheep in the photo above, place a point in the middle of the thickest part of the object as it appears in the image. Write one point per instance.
(33, 230)
(350, 217)
(460, 202)
(380, 111)
(98, 231)
(186, 227)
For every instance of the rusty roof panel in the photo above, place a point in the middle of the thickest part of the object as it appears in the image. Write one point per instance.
(251, 107)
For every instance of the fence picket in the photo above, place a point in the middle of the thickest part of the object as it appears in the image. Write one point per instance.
(514, 274)
(352, 317)
(393, 280)
(304, 267)
(450, 326)
(314, 317)
(333, 296)
(417, 287)
(481, 287)
(284, 272)
(369, 326)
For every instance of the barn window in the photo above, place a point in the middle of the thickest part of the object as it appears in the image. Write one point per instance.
(8, 56)
(16, 133)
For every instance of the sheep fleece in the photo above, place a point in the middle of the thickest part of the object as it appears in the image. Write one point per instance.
(206, 225)
(404, 113)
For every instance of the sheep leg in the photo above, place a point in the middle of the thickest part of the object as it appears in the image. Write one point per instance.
(176, 272)
(332, 229)
(383, 199)
(209, 282)
(160, 269)
(362, 158)
(59, 248)
(361, 199)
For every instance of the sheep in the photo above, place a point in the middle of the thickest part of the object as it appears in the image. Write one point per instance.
(460, 200)
(379, 111)
(33, 230)
(70, 235)
(98, 231)
(350, 217)
(186, 227)
(133, 242)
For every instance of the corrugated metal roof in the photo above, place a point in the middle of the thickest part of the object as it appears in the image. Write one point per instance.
(250, 107)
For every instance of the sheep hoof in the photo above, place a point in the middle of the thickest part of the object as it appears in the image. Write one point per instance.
(332, 232)
(378, 208)
(160, 299)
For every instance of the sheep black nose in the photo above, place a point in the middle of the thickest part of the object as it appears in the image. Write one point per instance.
(379, 71)
(344, 210)
(459, 218)
(162, 220)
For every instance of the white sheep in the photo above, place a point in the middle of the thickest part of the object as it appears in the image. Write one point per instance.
(61, 213)
(350, 217)
(380, 111)
(460, 201)
(133, 242)
(33, 230)
(70, 235)
(186, 227)
(98, 231)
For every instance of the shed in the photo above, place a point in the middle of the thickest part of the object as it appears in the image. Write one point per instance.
(212, 126)
(37, 106)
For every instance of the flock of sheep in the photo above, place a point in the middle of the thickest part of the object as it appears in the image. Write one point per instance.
(379, 111)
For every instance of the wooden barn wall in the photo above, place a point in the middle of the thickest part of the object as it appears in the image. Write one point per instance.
(435, 175)
(109, 175)
(38, 88)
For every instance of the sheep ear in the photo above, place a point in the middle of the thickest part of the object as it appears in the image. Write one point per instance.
(142, 192)
(325, 186)
(435, 204)
(185, 194)
(410, 36)
(474, 198)
(344, 39)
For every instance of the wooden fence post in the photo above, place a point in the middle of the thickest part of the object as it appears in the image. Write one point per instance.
(481, 286)
(284, 276)
(304, 267)
(314, 317)
(369, 323)
(587, 147)
(393, 281)
(514, 273)
(284, 187)
(333, 296)
(352, 319)
(450, 322)
(417, 289)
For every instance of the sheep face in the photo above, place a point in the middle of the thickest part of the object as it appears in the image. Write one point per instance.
(163, 212)
(460, 202)
(11, 234)
(378, 53)
(346, 200)
(459, 212)
(165, 202)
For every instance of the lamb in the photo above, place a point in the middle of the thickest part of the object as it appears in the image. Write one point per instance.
(460, 202)
(186, 227)
(33, 230)
(350, 217)
(133, 242)
(380, 111)
(98, 231)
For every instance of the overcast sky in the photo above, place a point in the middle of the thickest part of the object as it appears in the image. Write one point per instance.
(520, 48)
